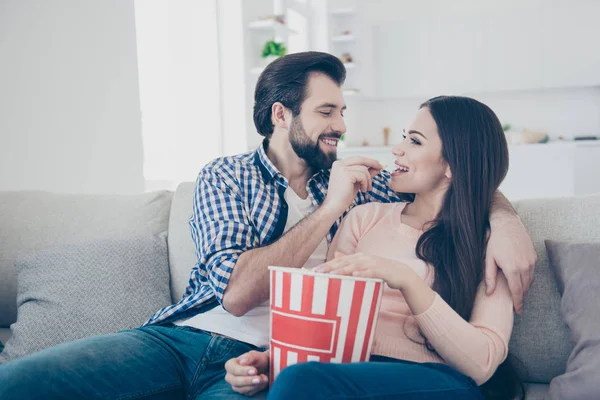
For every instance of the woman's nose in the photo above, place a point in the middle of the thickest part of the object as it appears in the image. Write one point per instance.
(397, 150)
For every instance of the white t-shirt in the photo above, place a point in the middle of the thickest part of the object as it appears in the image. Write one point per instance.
(253, 327)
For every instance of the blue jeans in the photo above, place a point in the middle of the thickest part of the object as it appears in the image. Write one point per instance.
(381, 378)
(153, 362)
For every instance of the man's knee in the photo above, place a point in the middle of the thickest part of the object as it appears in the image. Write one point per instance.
(19, 378)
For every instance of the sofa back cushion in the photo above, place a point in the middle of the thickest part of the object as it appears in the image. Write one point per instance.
(31, 220)
(182, 251)
(540, 338)
(91, 288)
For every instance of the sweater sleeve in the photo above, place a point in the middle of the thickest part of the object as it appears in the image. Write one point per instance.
(475, 348)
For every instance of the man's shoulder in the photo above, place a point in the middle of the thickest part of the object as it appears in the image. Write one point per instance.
(232, 166)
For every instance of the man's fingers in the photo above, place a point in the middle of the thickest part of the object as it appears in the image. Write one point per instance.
(526, 276)
(516, 289)
(374, 171)
(491, 271)
(361, 175)
(359, 160)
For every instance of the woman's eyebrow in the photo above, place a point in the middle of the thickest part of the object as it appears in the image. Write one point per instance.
(416, 133)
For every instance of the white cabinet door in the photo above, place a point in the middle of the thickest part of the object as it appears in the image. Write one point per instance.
(587, 168)
(512, 55)
(571, 43)
(401, 54)
(454, 65)
(429, 56)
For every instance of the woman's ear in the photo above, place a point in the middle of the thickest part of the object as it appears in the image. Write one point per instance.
(280, 115)
(448, 173)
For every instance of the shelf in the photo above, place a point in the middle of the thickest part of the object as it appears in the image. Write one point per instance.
(343, 38)
(342, 12)
(350, 65)
(267, 25)
(264, 24)
(350, 92)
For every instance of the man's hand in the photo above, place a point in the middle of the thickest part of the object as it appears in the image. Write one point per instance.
(510, 249)
(347, 177)
(248, 373)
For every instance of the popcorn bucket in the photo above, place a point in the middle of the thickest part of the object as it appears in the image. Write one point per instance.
(321, 317)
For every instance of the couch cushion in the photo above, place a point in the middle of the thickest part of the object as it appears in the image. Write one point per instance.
(576, 267)
(4, 334)
(182, 252)
(35, 220)
(90, 288)
(535, 391)
(540, 338)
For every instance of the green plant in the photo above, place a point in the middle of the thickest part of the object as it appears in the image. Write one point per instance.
(506, 127)
(273, 48)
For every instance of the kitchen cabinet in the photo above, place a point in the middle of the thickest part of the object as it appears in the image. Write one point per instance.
(401, 53)
(512, 54)
(455, 63)
(487, 47)
(571, 53)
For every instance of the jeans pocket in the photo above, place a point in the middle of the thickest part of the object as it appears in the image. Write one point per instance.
(186, 328)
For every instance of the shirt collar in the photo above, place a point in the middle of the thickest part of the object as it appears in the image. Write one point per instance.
(267, 169)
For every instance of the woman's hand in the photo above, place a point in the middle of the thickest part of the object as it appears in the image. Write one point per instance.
(248, 373)
(394, 273)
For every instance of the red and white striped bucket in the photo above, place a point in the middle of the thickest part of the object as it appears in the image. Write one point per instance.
(321, 317)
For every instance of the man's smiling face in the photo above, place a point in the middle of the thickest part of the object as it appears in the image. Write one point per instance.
(315, 133)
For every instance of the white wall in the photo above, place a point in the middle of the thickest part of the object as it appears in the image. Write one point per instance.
(178, 59)
(69, 99)
(233, 71)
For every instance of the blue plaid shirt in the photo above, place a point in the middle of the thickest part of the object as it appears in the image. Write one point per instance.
(238, 206)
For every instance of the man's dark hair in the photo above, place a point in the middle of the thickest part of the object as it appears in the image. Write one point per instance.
(285, 81)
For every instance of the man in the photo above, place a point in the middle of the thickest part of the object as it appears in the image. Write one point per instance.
(278, 205)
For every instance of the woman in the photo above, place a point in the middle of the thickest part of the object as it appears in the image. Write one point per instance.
(438, 334)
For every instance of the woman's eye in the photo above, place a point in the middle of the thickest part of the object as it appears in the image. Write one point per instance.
(413, 141)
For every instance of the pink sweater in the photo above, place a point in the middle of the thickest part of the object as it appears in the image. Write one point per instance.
(475, 347)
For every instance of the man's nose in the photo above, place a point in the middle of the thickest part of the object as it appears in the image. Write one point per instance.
(339, 125)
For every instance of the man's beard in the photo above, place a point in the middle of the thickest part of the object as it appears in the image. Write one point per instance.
(308, 150)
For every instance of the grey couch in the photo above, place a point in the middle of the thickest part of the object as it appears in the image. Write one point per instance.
(34, 220)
